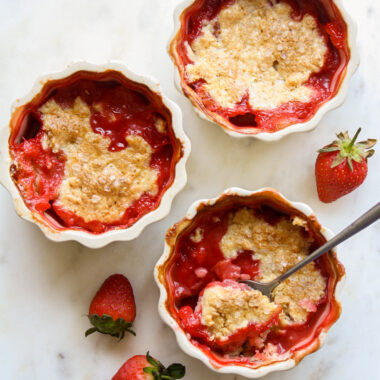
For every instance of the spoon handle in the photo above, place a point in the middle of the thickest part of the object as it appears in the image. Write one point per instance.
(364, 221)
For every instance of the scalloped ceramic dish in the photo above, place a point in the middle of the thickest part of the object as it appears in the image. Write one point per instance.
(220, 87)
(191, 261)
(108, 139)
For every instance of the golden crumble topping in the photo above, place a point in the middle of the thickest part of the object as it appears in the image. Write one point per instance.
(299, 294)
(197, 236)
(98, 184)
(297, 221)
(278, 247)
(160, 125)
(283, 244)
(225, 310)
(257, 48)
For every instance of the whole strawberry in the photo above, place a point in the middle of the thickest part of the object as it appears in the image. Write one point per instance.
(342, 166)
(142, 367)
(113, 308)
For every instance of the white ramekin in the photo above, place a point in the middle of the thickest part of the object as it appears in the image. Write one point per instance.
(86, 238)
(333, 103)
(181, 337)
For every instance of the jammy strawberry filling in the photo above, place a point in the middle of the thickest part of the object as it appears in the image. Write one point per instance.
(261, 65)
(240, 240)
(228, 314)
(93, 151)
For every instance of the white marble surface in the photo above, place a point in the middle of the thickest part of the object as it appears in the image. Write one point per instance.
(45, 287)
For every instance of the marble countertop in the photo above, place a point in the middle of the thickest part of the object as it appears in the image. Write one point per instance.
(45, 287)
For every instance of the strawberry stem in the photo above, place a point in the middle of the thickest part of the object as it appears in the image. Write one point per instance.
(349, 148)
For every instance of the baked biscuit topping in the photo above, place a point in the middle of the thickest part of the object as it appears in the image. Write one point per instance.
(277, 247)
(226, 309)
(283, 243)
(98, 184)
(300, 294)
(255, 47)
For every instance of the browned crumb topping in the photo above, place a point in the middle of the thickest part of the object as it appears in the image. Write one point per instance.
(226, 310)
(98, 184)
(258, 49)
(160, 125)
(278, 247)
(299, 294)
(197, 235)
(297, 221)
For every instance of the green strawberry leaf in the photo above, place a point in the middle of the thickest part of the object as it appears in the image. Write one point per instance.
(155, 363)
(337, 161)
(329, 149)
(90, 331)
(176, 371)
(367, 143)
(159, 372)
(105, 324)
(370, 153)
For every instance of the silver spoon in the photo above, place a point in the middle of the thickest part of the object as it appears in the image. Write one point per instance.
(364, 221)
